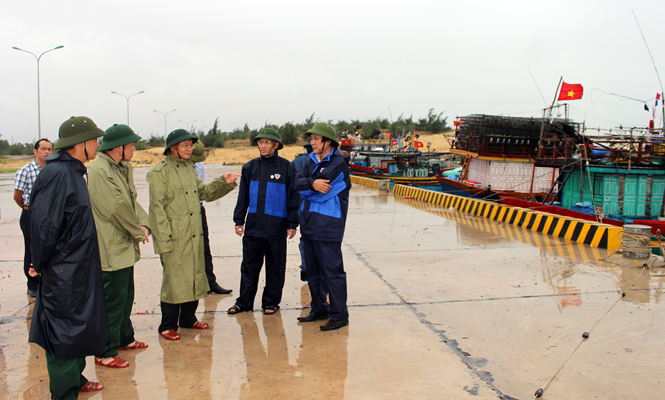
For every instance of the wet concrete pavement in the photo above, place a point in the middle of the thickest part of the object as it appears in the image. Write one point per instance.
(442, 306)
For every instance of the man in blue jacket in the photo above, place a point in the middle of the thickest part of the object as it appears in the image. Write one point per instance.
(267, 199)
(324, 185)
(298, 164)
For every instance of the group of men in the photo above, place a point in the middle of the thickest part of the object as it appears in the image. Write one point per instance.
(82, 238)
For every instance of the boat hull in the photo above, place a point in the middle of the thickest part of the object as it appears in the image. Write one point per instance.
(464, 189)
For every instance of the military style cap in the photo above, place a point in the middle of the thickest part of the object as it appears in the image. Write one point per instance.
(326, 130)
(177, 136)
(118, 135)
(199, 152)
(269, 133)
(76, 130)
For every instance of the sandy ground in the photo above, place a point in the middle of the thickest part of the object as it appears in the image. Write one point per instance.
(236, 151)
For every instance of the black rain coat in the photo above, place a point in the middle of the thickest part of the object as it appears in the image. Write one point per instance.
(69, 317)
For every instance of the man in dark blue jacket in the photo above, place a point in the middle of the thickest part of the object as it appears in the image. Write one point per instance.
(298, 164)
(324, 185)
(268, 200)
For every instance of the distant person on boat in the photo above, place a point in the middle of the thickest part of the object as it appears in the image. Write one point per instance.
(324, 185)
(298, 164)
(198, 156)
(266, 214)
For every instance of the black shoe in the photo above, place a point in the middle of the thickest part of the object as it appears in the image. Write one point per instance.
(313, 316)
(333, 324)
(219, 290)
(32, 293)
(303, 275)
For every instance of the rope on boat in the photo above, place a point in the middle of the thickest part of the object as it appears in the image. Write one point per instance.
(585, 335)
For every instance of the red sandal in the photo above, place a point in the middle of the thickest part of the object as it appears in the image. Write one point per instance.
(200, 325)
(91, 387)
(117, 362)
(170, 335)
(136, 346)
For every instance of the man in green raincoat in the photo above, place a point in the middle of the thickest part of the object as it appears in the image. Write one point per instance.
(121, 224)
(177, 230)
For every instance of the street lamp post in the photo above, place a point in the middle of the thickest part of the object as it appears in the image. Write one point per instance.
(165, 114)
(39, 110)
(187, 123)
(127, 98)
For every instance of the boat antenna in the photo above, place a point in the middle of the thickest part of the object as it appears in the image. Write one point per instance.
(662, 92)
(537, 87)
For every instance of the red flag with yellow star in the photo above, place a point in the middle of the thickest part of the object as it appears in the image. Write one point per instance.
(571, 91)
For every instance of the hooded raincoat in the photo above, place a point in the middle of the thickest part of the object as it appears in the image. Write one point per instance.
(69, 316)
(177, 231)
(118, 216)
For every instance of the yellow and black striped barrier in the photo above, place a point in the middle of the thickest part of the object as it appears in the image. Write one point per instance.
(577, 251)
(582, 231)
(370, 183)
(234, 163)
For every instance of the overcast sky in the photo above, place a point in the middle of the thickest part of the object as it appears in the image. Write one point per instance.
(279, 61)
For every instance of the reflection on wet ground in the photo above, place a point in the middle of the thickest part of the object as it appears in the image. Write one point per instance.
(443, 305)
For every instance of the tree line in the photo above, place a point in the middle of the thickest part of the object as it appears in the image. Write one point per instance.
(289, 131)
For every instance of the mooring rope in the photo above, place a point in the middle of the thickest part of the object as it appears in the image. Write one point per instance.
(585, 335)
(642, 238)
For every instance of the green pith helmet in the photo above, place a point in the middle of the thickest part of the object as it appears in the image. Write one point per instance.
(177, 136)
(199, 152)
(76, 130)
(269, 133)
(326, 130)
(118, 135)
(308, 143)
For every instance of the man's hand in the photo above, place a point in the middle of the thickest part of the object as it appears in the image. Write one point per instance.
(18, 198)
(290, 233)
(32, 272)
(239, 230)
(321, 185)
(147, 235)
(231, 178)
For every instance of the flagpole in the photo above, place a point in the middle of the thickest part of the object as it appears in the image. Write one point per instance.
(548, 117)
(556, 95)
(662, 105)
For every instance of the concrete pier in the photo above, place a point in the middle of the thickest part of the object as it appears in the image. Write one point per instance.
(443, 305)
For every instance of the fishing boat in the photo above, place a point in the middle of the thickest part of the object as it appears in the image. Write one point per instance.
(405, 167)
(500, 155)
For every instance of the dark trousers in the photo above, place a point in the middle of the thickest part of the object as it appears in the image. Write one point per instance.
(119, 296)
(207, 255)
(65, 377)
(24, 222)
(178, 314)
(254, 250)
(301, 247)
(326, 277)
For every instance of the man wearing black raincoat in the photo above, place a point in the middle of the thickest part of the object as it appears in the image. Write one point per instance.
(69, 317)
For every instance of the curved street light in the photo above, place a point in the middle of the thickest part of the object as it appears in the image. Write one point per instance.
(165, 114)
(127, 98)
(39, 110)
(187, 123)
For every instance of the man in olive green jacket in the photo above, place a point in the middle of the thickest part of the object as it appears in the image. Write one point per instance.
(121, 224)
(177, 230)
